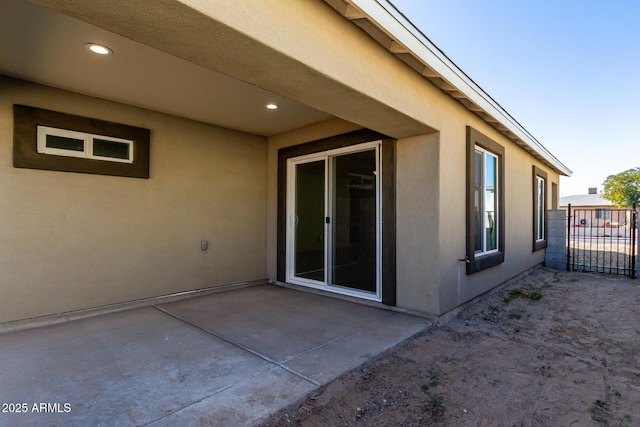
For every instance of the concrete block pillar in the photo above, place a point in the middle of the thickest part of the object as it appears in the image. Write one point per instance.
(556, 252)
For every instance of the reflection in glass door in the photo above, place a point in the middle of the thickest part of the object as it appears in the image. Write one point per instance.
(309, 220)
(333, 211)
(353, 225)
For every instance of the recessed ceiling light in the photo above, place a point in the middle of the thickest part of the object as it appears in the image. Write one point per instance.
(272, 106)
(99, 49)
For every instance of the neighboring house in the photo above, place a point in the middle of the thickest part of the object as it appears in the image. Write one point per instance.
(386, 174)
(593, 210)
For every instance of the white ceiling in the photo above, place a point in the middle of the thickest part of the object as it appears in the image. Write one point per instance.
(43, 46)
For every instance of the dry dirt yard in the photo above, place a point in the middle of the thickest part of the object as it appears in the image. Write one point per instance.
(551, 349)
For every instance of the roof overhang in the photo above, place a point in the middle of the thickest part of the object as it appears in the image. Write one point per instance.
(382, 21)
(46, 46)
(265, 45)
(251, 54)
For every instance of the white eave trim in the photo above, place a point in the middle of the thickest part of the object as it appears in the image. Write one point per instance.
(404, 34)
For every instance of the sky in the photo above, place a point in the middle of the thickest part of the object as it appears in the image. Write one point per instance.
(567, 70)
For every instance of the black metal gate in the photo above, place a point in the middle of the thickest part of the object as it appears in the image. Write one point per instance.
(602, 240)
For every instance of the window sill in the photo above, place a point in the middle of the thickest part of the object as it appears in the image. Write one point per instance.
(482, 262)
(539, 245)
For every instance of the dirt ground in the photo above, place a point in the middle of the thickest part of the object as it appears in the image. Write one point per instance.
(552, 349)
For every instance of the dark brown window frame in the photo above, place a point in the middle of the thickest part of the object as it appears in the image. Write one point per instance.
(388, 182)
(539, 244)
(25, 146)
(482, 262)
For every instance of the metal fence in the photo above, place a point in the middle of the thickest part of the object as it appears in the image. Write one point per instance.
(602, 240)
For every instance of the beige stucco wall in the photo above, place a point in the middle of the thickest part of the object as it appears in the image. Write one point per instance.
(219, 175)
(418, 223)
(456, 287)
(71, 241)
(431, 208)
(431, 169)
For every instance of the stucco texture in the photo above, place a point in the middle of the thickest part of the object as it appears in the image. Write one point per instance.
(456, 286)
(75, 241)
(72, 241)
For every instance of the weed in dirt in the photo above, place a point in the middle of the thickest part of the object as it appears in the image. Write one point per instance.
(516, 316)
(433, 378)
(493, 313)
(603, 413)
(435, 403)
(523, 293)
(546, 371)
(600, 412)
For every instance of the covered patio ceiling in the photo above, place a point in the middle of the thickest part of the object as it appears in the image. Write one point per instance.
(176, 54)
(43, 46)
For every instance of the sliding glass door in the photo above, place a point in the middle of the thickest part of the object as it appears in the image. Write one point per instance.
(333, 211)
(309, 220)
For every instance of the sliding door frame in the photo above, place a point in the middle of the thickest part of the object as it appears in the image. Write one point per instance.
(388, 201)
(328, 158)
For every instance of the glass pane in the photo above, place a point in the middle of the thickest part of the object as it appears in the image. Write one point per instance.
(113, 149)
(477, 202)
(491, 202)
(309, 219)
(65, 143)
(354, 234)
(540, 210)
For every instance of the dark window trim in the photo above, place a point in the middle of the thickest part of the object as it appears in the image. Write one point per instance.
(388, 154)
(539, 244)
(25, 146)
(482, 262)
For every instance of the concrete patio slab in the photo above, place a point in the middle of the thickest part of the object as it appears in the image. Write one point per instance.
(229, 358)
(277, 322)
(244, 403)
(332, 360)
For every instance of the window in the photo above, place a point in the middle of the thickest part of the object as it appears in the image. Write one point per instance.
(485, 202)
(539, 209)
(62, 142)
(49, 140)
(603, 214)
(540, 232)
